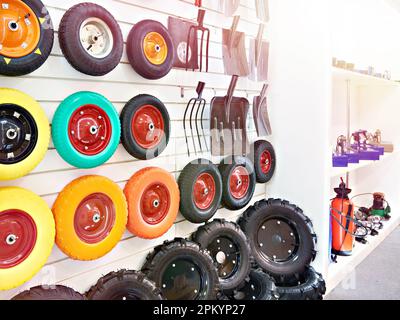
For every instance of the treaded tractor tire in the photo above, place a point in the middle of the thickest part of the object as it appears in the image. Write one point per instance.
(282, 238)
(94, 64)
(312, 287)
(49, 293)
(258, 286)
(124, 285)
(264, 160)
(135, 50)
(25, 64)
(238, 182)
(181, 268)
(226, 241)
(196, 205)
(139, 139)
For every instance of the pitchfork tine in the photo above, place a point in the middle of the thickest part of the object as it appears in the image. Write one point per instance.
(184, 125)
(202, 124)
(191, 125)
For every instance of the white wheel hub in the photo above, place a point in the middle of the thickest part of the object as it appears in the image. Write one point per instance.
(96, 38)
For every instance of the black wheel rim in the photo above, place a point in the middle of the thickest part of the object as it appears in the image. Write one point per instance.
(128, 294)
(226, 253)
(278, 240)
(18, 134)
(183, 280)
(251, 291)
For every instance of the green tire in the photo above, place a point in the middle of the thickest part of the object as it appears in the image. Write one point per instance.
(61, 130)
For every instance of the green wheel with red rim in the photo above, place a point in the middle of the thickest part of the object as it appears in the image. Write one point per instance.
(86, 130)
(145, 127)
(200, 184)
(26, 236)
(264, 160)
(238, 182)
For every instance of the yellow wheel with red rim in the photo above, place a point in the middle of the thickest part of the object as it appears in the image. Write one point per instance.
(155, 48)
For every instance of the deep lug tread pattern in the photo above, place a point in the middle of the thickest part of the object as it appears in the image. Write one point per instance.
(249, 222)
(49, 293)
(206, 234)
(124, 280)
(156, 260)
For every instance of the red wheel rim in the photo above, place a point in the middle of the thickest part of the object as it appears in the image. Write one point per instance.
(147, 126)
(94, 218)
(155, 203)
(239, 182)
(266, 161)
(204, 191)
(89, 130)
(17, 237)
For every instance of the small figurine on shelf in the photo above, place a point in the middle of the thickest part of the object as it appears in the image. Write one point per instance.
(344, 153)
(365, 150)
(376, 140)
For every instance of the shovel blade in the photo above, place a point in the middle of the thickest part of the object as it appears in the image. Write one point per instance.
(234, 53)
(261, 117)
(229, 7)
(259, 62)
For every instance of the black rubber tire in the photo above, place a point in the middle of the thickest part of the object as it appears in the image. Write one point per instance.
(258, 286)
(32, 61)
(158, 261)
(68, 34)
(253, 219)
(311, 287)
(257, 149)
(187, 180)
(124, 285)
(226, 168)
(136, 56)
(208, 233)
(128, 141)
(49, 293)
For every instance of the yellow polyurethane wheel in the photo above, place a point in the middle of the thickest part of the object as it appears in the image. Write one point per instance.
(27, 233)
(91, 215)
(31, 148)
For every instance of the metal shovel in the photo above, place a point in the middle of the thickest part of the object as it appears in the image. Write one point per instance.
(259, 57)
(234, 51)
(262, 9)
(228, 121)
(260, 113)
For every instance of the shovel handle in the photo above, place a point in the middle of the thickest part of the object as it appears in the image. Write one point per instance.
(229, 97)
(200, 17)
(198, 3)
(234, 27)
(264, 90)
(200, 88)
(259, 41)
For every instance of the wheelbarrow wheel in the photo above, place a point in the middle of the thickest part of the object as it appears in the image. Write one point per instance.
(91, 215)
(24, 134)
(27, 234)
(153, 202)
(311, 286)
(282, 238)
(124, 285)
(200, 184)
(238, 182)
(230, 249)
(264, 160)
(26, 43)
(259, 286)
(150, 49)
(86, 130)
(51, 293)
(145, 127)
(91, 39)
(183, 271)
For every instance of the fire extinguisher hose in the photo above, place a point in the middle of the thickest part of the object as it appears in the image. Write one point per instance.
(349, 219)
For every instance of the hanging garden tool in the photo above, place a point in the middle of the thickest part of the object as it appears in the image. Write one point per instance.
(198, 104)
(229, 7)
(260, 113)
(234, 51)
(259, 56)
(228, 123)
(262, 10)
(185, 35)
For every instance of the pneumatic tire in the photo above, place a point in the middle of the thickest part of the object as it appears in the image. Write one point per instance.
(258, 286)
(51, 293)
(264, 160)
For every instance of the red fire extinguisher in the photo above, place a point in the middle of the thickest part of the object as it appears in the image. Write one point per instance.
(343, 222)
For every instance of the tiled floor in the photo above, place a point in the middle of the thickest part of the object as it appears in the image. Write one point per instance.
(377, 277)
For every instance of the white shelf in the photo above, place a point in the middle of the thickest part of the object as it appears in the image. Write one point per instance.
(337, 272)
(335, 172)
(360, 78)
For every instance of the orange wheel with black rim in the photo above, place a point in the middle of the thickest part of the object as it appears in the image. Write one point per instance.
(153, 202)
(26, 36)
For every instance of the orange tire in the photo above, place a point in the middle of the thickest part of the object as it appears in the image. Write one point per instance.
(91, 215)
(153, 202)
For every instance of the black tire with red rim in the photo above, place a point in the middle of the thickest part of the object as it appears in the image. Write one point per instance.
(145, 126)
(150, 49)
(264, 160)
(200, 184)
(238, 182)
